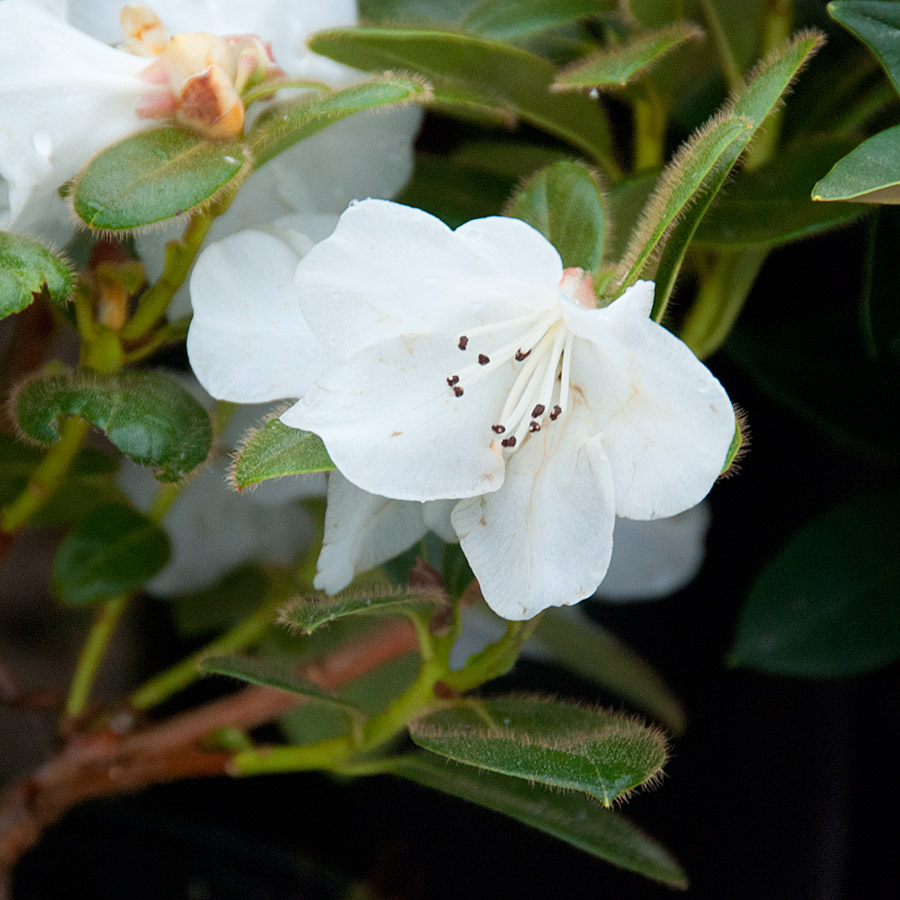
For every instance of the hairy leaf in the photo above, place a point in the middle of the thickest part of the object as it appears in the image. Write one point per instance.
(276, 450)
(27, 268)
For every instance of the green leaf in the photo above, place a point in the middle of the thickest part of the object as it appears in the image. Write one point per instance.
(493, 68)
(573, 818)
(761, 95)
(27, 268)
(556, 743)
(276, 450)
(153, 176)
(826, 605)
(268, 673)
(150, 418)
(285, 124)
(473, 106)
(565, 204)
(307, 614)
(594, 653)
(114, 549)
(509, 19)
(877, 24)
(771, 205)
(621, 65)
(870, 174)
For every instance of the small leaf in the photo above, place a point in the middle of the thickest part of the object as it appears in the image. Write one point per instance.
(284, 125)
(26, 268)
(494, 68)
(565, 204)
(771, 206)
(618, 66)
(869, 174)
(509, 19)
(269, 673)
(113, 550)
(153, 176)
(738, 445)
(308, 614)
(556, 743)
(573, 818)
(877, 24)
(150, 418)
(594, 653)
(276, 450)
(826, 605)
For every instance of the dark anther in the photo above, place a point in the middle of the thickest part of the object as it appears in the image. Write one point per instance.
(453, 379)
(538, 410)
(483, 360)
(509, 442)
(498, 429)
(521, 354)
(458, 391)
(557, 412)
(463, 343)
(533, 427)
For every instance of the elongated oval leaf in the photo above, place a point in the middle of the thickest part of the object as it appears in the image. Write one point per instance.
(594, 653)
(149, 417)
(771, 205)
(620, 65)
(153, 176)
(565, 204)
(826, 605)
(114, 549)
(870, 174)
(307, 614)
(573, 818)
(27, 268)
(268, 673)
(286, 124)
(877, 24)
(497, 69)
(559, 744)
(276, 450)
(508, 19)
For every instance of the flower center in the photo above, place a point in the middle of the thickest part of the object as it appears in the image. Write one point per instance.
(200, 76)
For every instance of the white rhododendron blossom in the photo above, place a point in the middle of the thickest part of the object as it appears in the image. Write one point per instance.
(469, 365)
(77, 76)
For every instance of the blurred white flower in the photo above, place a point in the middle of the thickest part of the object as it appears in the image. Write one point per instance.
(65, 94)
(469, 366)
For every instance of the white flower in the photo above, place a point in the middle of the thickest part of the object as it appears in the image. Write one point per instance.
(65, 94)
(468, 365)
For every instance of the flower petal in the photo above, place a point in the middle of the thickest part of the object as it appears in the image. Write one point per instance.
(390, 270)
(249, 341)
(545, 538)
(393, 426)
(362, 531)
(665, 421)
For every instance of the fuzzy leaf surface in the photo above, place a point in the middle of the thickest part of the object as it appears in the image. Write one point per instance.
(153, 176)
(284, 125)
(869, 174)
(276, 450)
(621, 65)
(27, 268)
(150, 418)
(510, 19)
(114, 549)
(555, 743)
(309, 614)
(574, 818)
(497, 69)
(564, 203)
(826, 605)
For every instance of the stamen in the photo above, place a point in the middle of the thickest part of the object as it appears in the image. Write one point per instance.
(498, 429)
(458, 391)
(452, 380)
(520, 355)
(538, 411)
(555, 414)
(533, 427)
(463, 342)
(565, 373)
(483, 360)
(509, 442)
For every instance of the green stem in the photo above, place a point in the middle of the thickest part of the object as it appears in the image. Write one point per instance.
(173, 333)
(179, 258)
(724, 287)
(47, 477)
(727, 60)
(92, 654)
(649, 129)
(168, 683)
